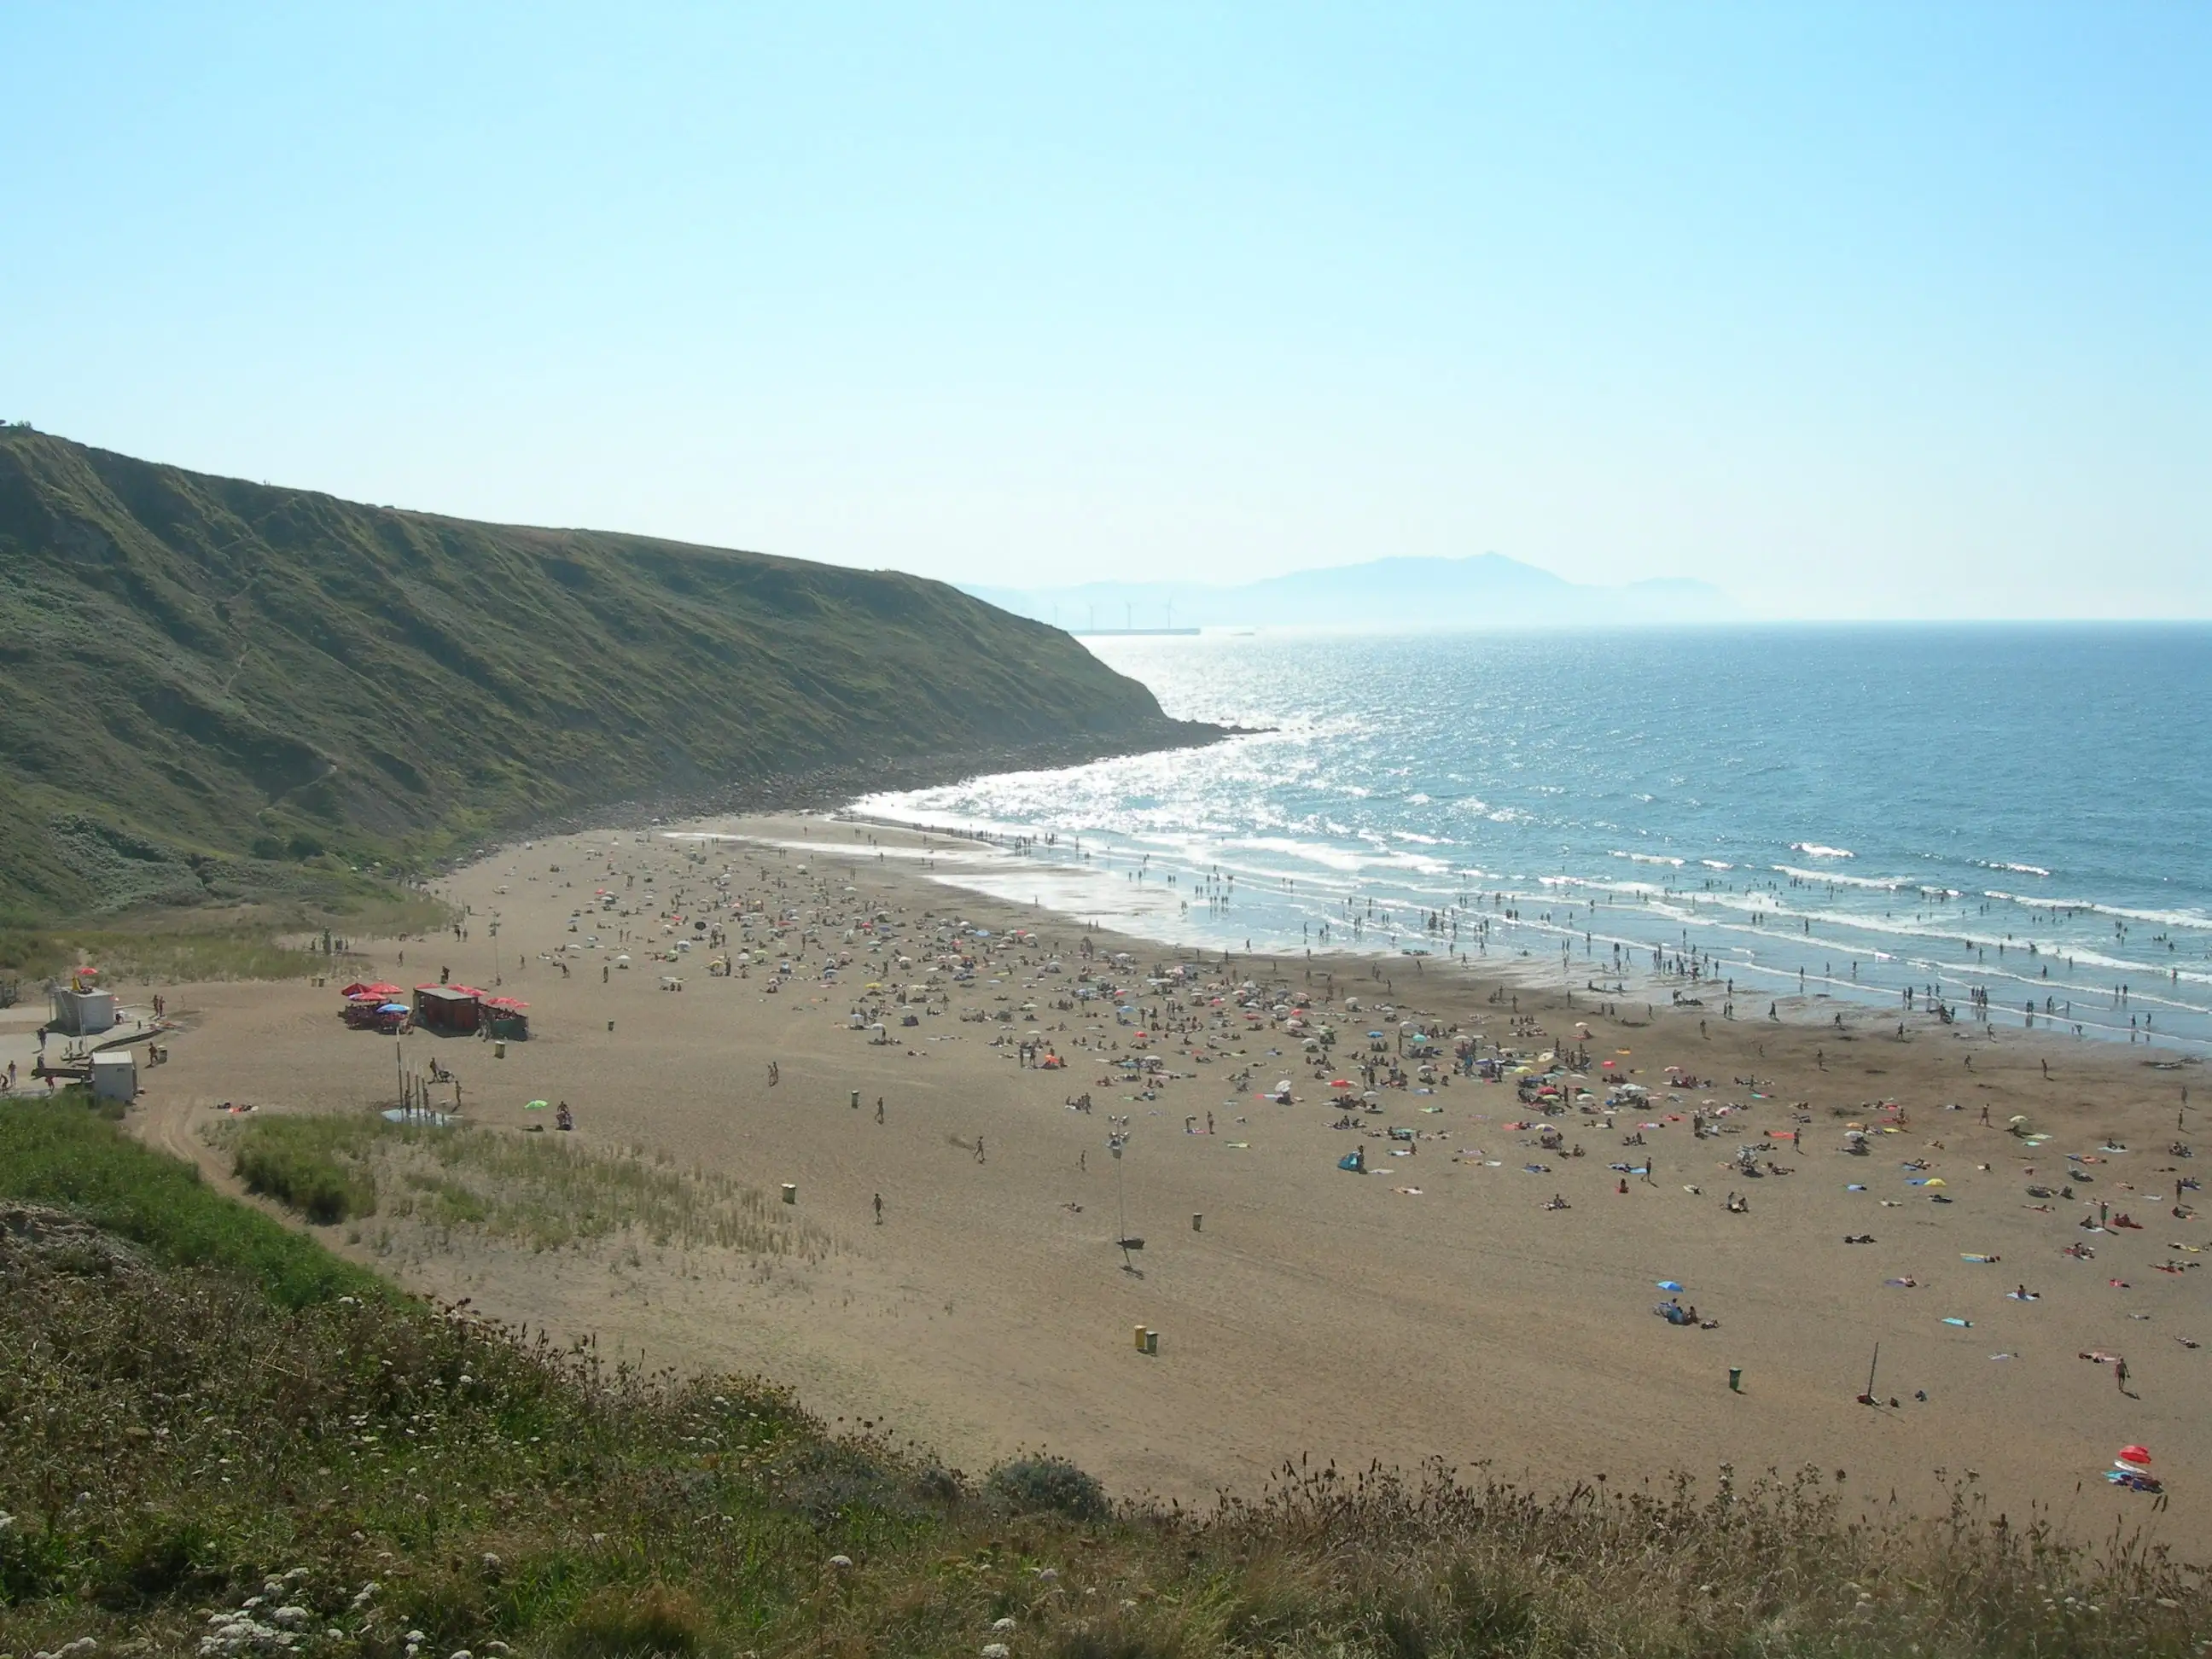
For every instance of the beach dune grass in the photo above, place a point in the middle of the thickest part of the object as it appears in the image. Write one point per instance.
(539, 1190)
(296, 1161)
(262, 941)
(198, 1408)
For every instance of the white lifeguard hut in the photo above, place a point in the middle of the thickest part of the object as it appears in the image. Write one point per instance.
(115, 1075)
(79, 1007)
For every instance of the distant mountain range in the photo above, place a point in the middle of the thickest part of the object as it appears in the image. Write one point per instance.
(1485, 590)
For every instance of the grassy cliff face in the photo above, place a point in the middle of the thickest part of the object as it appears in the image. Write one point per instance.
(204, 681)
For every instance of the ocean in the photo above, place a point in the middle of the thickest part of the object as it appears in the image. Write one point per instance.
(2008, 822)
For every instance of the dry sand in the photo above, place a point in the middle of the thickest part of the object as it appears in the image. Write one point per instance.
(1318, 1313)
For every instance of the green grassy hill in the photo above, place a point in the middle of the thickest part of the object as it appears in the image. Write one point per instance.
(210, 687)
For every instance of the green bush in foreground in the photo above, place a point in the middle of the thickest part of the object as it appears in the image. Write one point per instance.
(60, 1153)
(656, 1620)
(1048, 1484)
(300, 1162)
(185, 1428)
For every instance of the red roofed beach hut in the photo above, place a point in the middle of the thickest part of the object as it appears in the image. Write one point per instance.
(508, 1018)
(448, 1010)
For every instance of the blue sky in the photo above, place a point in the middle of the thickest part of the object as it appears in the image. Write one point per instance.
(1856, 310)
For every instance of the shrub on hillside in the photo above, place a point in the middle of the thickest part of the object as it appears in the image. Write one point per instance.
(1053, 1484)
(292, 1161)
(620, 1624)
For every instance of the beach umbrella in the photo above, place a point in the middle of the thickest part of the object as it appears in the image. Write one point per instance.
(1669, 1284)
(2135, 1454)
(535, 1106)
(1339, 1082)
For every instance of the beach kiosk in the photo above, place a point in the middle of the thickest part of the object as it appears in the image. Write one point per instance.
(377, 1007)
(508, 1017)
(114, 1075)
(448, 1010)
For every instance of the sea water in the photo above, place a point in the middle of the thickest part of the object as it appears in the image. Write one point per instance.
(1754, 817)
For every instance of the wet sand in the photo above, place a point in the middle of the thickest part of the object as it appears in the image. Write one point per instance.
(1432, 1307)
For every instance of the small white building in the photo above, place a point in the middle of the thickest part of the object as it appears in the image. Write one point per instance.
(84, 1012)
(114, 1075)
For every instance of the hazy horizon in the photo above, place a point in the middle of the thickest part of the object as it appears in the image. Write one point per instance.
(1851, 312)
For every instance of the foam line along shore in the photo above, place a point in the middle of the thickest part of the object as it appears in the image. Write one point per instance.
(1718, 846)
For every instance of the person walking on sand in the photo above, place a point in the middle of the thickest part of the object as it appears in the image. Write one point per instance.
(880, 1108)
(775, 1074)
(2120, 1373)
(879, 1209)
(979, 1149)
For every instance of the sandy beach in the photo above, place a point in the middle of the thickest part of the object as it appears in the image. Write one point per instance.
(1435, 1305)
